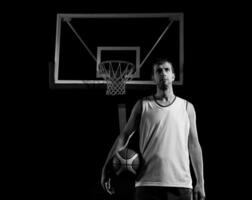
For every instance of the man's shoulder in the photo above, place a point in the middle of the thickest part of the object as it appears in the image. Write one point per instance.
(183, 99)
(178, 98)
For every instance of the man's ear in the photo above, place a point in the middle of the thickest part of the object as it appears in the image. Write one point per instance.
(173, 77)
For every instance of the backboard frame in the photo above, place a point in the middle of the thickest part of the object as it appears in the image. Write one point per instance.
(58, 83)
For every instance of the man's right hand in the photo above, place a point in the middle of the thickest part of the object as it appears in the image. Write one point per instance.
(107, 184)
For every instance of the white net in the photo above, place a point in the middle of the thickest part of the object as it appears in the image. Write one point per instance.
(116, 73)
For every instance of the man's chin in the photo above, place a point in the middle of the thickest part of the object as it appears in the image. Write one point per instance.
(163, 87)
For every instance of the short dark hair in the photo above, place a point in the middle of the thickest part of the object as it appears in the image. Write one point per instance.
(160, 61)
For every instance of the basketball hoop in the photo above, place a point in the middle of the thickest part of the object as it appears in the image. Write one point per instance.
(116, 73)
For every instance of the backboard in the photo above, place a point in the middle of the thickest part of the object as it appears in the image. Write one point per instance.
(83, 41)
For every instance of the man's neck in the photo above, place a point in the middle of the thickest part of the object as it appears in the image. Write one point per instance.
(165, 95)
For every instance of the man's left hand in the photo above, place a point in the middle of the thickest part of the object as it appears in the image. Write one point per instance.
(199, 192)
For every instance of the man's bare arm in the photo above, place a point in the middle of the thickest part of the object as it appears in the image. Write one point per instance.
(123, 137)
(196, 153)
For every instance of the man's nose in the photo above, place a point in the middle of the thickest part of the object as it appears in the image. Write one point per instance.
(162, 72)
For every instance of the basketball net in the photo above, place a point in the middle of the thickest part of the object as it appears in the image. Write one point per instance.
(116, 73)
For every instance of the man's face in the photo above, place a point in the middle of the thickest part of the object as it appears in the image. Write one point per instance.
(163, 75)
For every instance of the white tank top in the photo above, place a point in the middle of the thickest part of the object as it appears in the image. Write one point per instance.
(164, 144)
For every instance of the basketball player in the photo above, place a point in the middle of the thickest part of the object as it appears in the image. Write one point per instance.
(168, 137)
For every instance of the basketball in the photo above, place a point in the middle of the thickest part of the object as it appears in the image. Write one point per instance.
(126, 160)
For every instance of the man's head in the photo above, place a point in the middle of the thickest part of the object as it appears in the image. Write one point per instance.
(163, 73)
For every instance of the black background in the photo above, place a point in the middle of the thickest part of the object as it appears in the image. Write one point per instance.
(59, 139)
